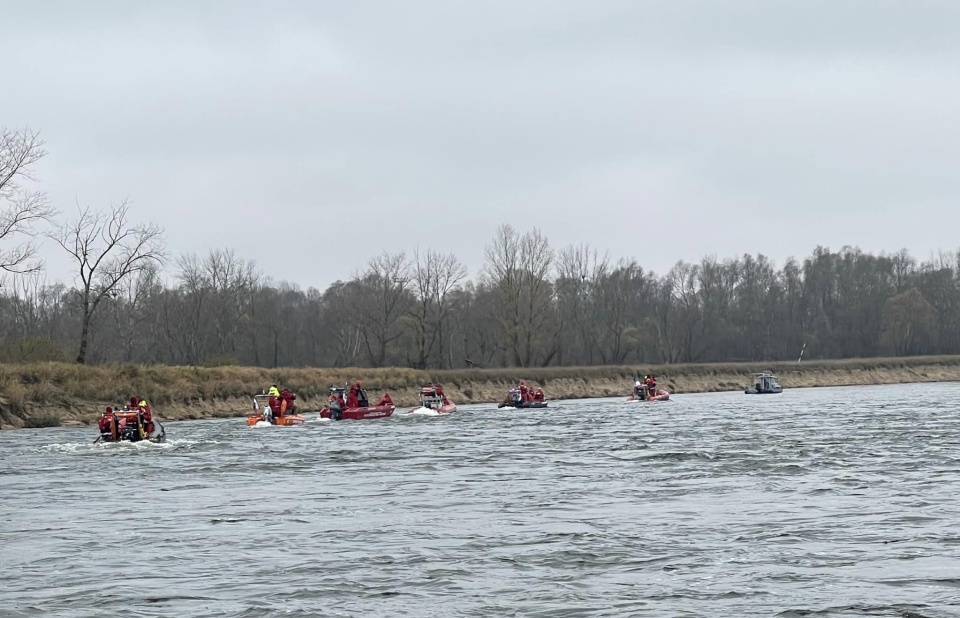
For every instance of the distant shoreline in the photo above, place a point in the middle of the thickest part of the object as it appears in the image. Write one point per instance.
(61, 393)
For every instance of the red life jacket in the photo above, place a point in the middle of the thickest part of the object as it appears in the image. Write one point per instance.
(353, 399)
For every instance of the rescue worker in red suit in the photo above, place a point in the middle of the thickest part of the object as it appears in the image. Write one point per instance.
(385, 400)
(524, 391)
(147, 414)
(651, 383)
(106, 423)
(353, 397)
(287, 397)
(442, 395)
(538, 395)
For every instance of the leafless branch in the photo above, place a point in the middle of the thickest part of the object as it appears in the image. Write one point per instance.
(21, 207)
(106, 250)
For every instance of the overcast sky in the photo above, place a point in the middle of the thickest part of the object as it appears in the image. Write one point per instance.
(660, 130)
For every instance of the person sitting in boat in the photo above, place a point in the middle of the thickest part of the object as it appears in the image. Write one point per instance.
(336, 404)
(274, 391)
(107, 423)
(385, 400)
(539, 395)
(651, 384)
(147, 415)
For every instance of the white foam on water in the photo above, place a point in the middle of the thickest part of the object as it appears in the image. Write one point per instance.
(263, 424)
(99, 447)
(421, 411)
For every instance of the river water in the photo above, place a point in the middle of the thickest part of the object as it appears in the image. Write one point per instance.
(816, 502)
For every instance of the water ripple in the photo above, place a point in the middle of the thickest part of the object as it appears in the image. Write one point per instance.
(828, 503)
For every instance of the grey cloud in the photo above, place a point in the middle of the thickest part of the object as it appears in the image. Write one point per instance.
(660, 130)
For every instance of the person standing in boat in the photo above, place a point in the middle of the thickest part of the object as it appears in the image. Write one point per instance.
(353, 397)
(524, 391)
(287, 406)
(652, 384)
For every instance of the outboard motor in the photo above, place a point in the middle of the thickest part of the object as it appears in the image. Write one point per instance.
(130, 432)
(159, 434)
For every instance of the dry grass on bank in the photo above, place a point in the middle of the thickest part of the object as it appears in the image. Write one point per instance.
(64, 383)
(46, 394)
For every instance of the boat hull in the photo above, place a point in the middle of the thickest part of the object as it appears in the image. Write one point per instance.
(289, 420)
(523, 405)
(660, 395)
(156, 440)
(129, 427)
(360, 414)
(753, 391)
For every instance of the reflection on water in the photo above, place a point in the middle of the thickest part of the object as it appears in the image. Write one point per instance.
(826, 502)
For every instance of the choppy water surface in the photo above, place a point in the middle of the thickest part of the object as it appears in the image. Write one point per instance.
(827, 502)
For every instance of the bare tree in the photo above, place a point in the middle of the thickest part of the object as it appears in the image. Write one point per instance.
(106, 250)
(518, 267)
(21, 208)
(435, 276)
(132, 316)
(579, 273)
(904, 266)
(380, 302)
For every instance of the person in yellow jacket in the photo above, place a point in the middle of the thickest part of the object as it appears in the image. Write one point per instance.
(274, 391)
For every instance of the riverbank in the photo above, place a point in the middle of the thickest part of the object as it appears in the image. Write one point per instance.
(63, 393)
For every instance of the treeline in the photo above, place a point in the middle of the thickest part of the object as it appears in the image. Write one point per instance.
(531, 305)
